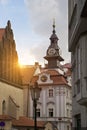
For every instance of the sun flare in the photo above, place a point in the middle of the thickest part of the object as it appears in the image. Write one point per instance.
(29, 60)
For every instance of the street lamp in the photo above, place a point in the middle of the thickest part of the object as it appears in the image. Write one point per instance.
(35, 94)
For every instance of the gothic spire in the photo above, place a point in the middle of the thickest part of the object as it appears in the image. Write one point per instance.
(9, 24)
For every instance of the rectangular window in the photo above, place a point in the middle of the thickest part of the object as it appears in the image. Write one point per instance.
(67, 93)
(50, 92)
(67, 127)
(74, 77)
(70, 113)
(3, 107)
(86, 82)
(51, 112)
(78, 122)
(85, 60)
(67, 112)
(78, 62)
(38, 112)
(78, 86)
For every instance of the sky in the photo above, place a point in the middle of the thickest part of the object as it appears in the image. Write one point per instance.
(31, 22)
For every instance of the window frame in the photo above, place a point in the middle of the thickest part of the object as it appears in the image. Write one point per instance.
(38, 112)
(51, 112)
(3, 106)
(51, 93)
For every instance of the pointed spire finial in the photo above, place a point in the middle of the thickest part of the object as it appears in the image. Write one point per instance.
(9, 24)
(53, 25)
(53, 21)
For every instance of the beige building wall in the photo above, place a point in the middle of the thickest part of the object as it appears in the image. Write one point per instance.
(8, 125)
(11, 100)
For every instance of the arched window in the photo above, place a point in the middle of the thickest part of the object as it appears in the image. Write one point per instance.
(3, 107)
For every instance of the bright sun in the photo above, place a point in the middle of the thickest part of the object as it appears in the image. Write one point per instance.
(29, 60)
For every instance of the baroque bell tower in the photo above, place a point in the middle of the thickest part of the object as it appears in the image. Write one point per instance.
(53, 55)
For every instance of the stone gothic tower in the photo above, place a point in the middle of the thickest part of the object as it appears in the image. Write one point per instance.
(52, 55)
(9, 69)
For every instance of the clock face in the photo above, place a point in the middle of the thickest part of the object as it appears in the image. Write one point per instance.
(43, 78)
(51, 51)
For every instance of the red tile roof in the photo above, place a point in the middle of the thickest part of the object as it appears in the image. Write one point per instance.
(25, 121)
(53, 72)
(58, 79)
(27, 74)
(67, 65)
(2, 31)
(50, 71)
(68, 73)
(5, 117)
